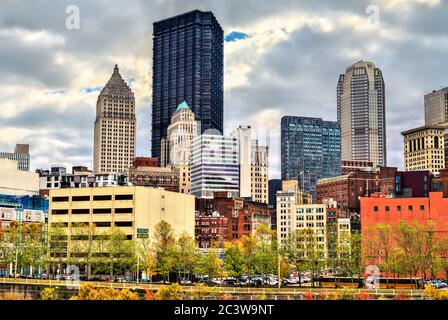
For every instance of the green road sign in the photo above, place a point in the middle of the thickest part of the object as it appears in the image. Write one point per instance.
(142, 235)
(142, 230)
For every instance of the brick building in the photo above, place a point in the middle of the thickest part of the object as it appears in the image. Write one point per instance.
(244, 216)
(211, 230)
(347, 189)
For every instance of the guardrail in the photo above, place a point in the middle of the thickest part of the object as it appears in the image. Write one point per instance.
(228, 290)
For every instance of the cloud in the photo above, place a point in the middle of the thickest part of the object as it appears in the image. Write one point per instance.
(288, 64)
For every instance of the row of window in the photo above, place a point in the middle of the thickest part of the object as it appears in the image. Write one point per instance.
(95, 198)
(94, 211)
(398, 208)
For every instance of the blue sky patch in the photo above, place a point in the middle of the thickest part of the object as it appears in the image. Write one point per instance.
(235, 36)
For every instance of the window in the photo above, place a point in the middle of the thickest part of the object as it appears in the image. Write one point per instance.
(59, 199)
(123, 224)
(398, 208)
(102, 224)
(123, 210)
(422, 208)
(80, 211)
(375, 208)
(387, 208)
(103, 211)
(410, 208)
(124, 197)
(81, 198)
(56, 212)
(102, 198)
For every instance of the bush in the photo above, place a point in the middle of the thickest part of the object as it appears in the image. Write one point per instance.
(431, 293)
(172, 292)
(363, 296)
(308, 296)
(334, 295)
(401, 296)
(149, 295)
(87, 291)
(49, 294)
(12, 296)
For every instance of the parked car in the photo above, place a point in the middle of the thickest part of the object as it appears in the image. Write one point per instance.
(185, 281)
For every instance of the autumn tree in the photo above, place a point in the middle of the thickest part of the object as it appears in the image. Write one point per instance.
(164, 248)
(233, 260)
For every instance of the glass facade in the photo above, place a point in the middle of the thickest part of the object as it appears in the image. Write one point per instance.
(311, 150)
(215, 165)
(188, 63)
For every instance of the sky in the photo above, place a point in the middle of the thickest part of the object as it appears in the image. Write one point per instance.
(282, 57)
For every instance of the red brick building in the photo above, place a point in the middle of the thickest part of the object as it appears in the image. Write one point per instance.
(211, 230)
(243, 216)
(376, 210)
(439, 182)
(145, 162)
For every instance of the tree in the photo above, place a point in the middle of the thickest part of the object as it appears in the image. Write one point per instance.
(296, 253)
(233, 260)
(266, 251)
(185, 257)
(248, 246)
(84, 246)
(441, 250)
(210, 264)
(164, 248)
(120, 251)
(57, 251)
(314, 253)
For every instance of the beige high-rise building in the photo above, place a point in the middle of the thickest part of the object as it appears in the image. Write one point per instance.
(115, 127)
(362, 113)
(176, 148)
(436, 107)
(424, 148)
(259, 173)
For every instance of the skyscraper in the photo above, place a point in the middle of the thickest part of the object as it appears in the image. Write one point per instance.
(115, 127)
(310, 149)
(436, 107)
(188, 63)
(215, 165)
(176, 148)
(362, 113)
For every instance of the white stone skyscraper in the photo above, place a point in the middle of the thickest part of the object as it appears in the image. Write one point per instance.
(362, 113)
(115, 127)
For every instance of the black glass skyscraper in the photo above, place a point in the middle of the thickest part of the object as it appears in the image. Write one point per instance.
(188, 63)
(311, 150)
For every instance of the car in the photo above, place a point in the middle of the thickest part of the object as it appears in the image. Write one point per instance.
(185, 281)
(229, 282)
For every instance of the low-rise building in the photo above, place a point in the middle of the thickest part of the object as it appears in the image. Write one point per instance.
(156, 177)
(21, 154)
(211, 230)
(17, 182)
(130, 209)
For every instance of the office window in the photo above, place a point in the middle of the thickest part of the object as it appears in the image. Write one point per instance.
(410, 208)
(422, 208)
(398, 208)
(375, 208)
(102, 224)
(387, 208)
(58, 212)
(123, 224)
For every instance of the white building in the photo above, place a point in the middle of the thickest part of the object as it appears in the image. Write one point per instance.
(215, 165)
(16, 182)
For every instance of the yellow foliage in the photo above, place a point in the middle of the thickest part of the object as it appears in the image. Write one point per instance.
(172, 292)
(88, 291)
(431, 293)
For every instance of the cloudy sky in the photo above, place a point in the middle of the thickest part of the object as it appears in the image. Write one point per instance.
(285, 60)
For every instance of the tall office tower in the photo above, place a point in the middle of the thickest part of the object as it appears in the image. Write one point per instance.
(176, 148)
(260, 173)
(436, 107)
(115, 127)
(215, 165)
(311, 150)
(244, 136)
(188, 63)
(21, 154)
(362, 113)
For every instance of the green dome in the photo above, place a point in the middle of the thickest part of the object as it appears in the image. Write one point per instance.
(183, 105)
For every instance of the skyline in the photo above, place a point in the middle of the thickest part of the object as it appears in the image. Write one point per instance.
(46, 67)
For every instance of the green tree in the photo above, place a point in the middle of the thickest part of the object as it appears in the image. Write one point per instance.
(441, 250)
(164, 248)
(233, 260)
(57, 247)
(210, 264)
(84, 246)
(186, 257)
(266, 251)
(296, 252)
(248, 247)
